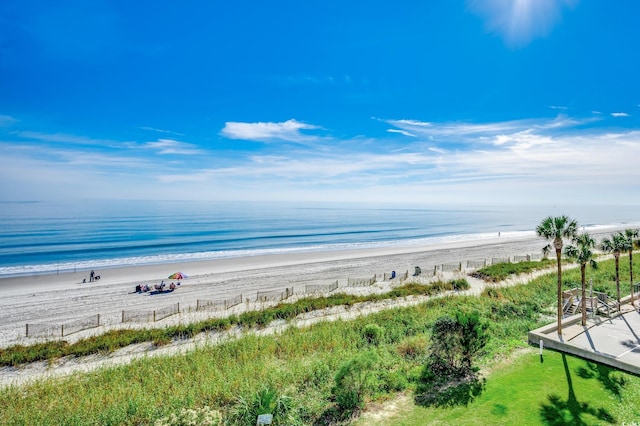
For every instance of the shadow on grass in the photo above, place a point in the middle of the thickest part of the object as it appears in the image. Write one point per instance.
(452, 394)
(571, 411)
(605, 375)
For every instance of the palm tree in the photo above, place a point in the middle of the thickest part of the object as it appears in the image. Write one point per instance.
(555, 229)
(631, 235)
(616, 245)
(583, 254)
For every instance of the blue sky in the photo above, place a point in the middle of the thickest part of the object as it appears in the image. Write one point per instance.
(494, 101)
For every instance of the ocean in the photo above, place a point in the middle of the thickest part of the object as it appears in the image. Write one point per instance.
(52, 237)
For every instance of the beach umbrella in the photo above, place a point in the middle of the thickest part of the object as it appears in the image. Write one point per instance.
(178, 276)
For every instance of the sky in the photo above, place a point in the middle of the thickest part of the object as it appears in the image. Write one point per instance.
(465, 102)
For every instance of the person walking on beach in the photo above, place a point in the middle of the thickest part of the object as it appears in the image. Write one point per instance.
(91, 275)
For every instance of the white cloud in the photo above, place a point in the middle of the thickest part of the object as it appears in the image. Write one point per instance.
(153, 129)
(170, 146)
(64, 138)
(520, 21)
(7, 120)
(289, 130)
(480, 132)
(534, 160)
(402, 132)
(619, 114)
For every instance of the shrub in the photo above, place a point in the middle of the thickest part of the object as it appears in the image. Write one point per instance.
(354, 381)
(455, 343)
(265, 401)
(373, 333)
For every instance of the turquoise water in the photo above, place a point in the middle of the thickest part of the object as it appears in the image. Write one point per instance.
(45, 237)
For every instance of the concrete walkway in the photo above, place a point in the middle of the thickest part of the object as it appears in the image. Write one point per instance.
(611, 341)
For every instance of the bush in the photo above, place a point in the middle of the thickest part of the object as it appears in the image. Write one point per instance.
(455, 342)
(373, 333)
(354, 381)
(266, 401)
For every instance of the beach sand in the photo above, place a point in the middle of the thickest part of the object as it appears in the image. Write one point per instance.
(63, 298)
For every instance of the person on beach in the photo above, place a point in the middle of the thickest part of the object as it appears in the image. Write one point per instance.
(91, 275)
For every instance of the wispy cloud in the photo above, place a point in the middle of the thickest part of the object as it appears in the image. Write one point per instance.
(620, 114)
(7, 120)
(64, 138)
(510, 161)
(170, 146)
(290, 130)
(402, 132)
(464, 132)
(153, 129)
(520, 21)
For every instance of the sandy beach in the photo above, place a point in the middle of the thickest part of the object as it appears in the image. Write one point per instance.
(62, 298)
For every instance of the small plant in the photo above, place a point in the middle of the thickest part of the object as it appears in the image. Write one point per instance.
(203, 416)
(413, 347)
(492, 293)
(373, 333)
(266, 401)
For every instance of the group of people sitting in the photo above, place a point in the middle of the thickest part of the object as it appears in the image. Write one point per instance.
(143, 288)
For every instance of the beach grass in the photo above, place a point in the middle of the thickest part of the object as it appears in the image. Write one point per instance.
(301, 364)
(501, 271)
(116, 339)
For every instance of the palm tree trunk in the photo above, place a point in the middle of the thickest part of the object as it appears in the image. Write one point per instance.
(583, 268)
(631, 273)
(558, 258)
(617, 256)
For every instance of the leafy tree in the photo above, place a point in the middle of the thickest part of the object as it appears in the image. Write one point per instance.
(632, 238)
(455, 342)
(555, 229)
(616, 245)
(582, 253)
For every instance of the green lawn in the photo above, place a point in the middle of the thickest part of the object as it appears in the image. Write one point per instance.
(553, 389)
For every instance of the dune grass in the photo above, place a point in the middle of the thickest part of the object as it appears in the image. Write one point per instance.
(500, 271)
(301, 364)
(116, 339)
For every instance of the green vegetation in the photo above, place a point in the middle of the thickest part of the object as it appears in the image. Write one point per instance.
(299, 370)
(450, 375)
(501, 271)
(113, 340)
(527, 389)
